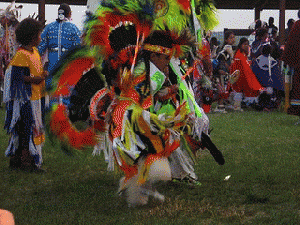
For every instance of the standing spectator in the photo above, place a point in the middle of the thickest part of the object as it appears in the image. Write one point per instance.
(291, 56)
(272, 29)
(224, 59)
(260, 40)
(258, 25)
(24, 97)
(214, 47)
(290, 24)
(275, 51)
(58, 37)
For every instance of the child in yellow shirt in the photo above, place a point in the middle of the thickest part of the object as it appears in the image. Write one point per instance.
(24, 95)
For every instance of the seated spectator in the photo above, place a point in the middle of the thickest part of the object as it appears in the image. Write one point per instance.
(268, 73)
(247, 84)
(224, 59)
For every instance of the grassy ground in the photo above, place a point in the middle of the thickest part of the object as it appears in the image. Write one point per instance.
(262, 153)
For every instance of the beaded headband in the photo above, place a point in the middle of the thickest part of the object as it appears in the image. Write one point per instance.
(158, 49)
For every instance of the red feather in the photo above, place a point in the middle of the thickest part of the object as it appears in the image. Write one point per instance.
(100, 33)
(62, 127)
(72, 74)
(129, 170)
(58, 122)
(185, 4)
(170, 146)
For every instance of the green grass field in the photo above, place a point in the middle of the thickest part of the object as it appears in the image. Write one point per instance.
(262, 153)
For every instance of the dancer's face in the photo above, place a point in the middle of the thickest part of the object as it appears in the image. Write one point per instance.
(161, 61)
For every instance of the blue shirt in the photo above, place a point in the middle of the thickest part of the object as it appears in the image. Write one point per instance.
(57, 38)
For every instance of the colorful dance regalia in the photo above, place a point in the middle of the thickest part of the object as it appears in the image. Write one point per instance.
(8, 47)
(291, 56)
(182, 160)
(141, 132)
(135, 132)
(140, 127)
(268, 72)
(57, 38)
(247, 82)
(8, 44)
(25, 104)
(202, 69)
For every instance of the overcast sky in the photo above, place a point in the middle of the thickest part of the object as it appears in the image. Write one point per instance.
(232, 19)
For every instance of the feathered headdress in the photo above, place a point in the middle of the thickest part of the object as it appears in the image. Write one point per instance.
(114, 27)
(134, 17)
(176, 43)
(172, 13)
(11, 13)
(118, 30)
(205, 11)
(197, 15)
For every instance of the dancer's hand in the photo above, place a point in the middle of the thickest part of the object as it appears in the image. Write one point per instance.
(45, 74)
(36, 80)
